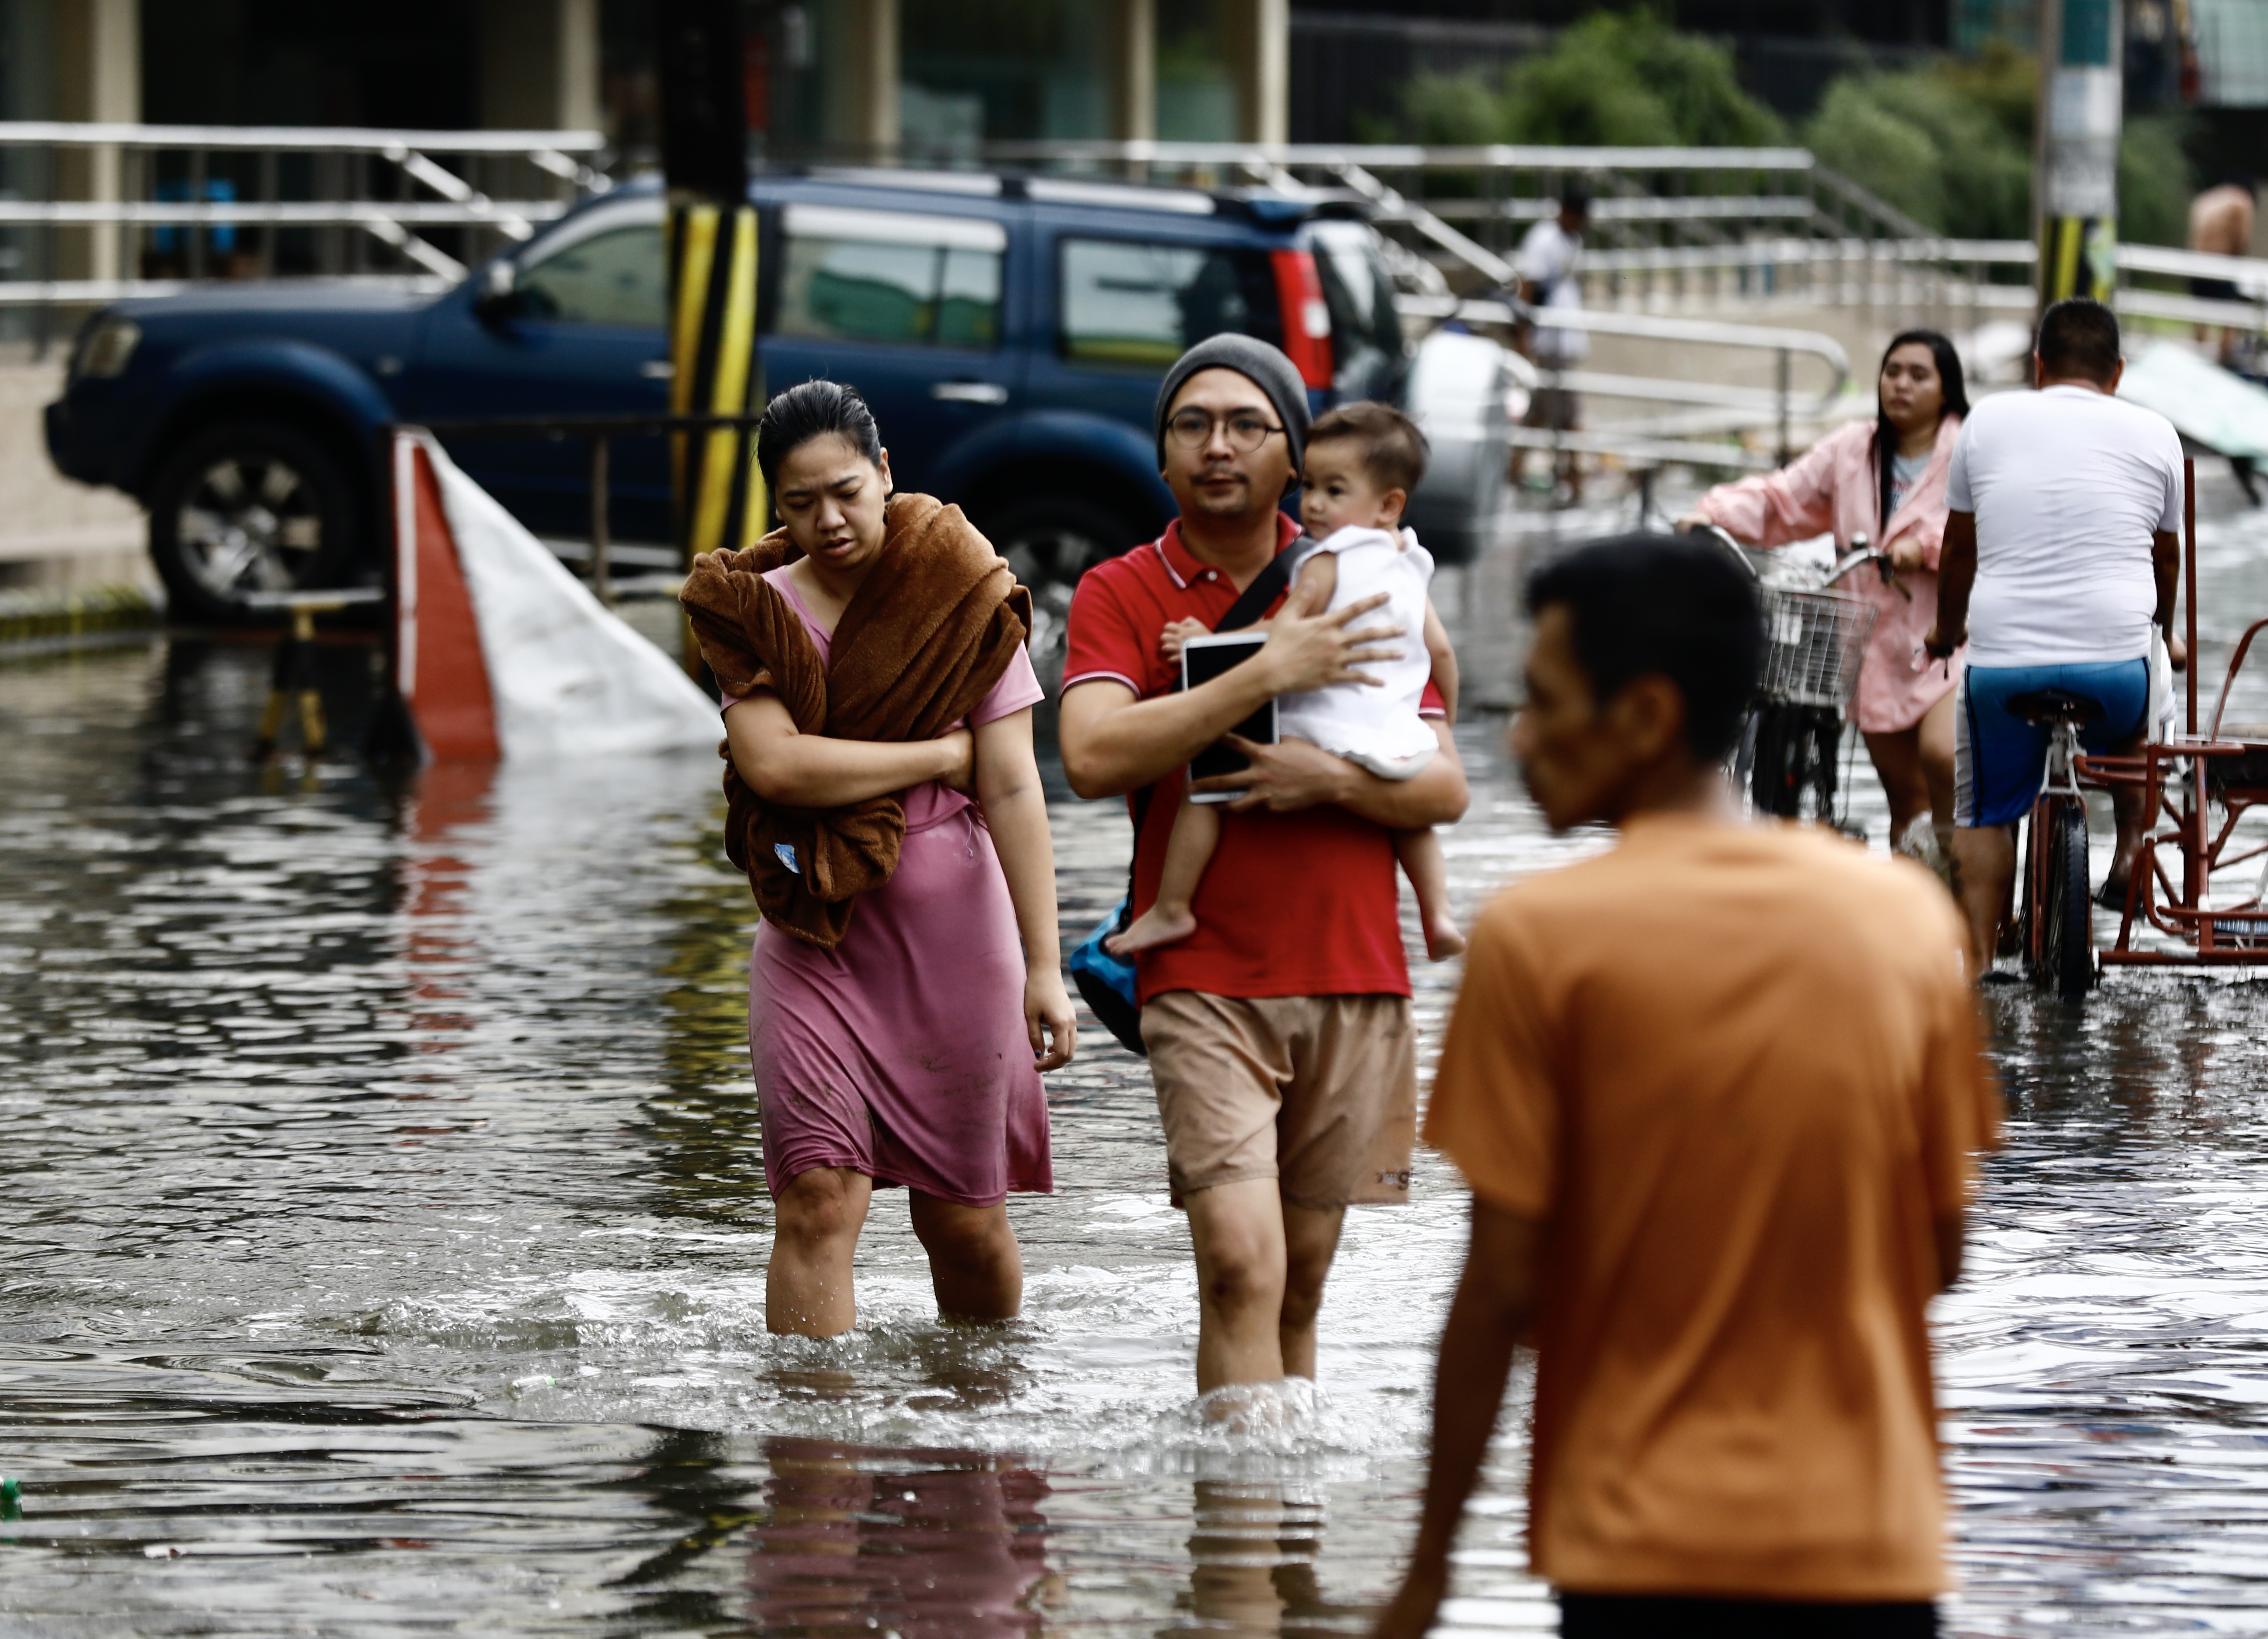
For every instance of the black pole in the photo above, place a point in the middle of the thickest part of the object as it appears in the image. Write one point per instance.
(704, 125)
(719, 503)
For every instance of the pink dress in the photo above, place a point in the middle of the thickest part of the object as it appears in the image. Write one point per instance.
(1833, 486)
(901, 1052)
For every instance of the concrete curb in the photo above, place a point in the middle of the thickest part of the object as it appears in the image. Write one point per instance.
(38, 620)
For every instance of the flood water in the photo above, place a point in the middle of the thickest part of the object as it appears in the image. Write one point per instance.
(383, 1238)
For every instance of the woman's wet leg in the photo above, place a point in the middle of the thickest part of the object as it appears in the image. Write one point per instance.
(975, 1265)
(815, 1224)
(1897, 758)
(1938, 725)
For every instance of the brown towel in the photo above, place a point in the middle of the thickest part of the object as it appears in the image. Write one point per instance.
(928, 635)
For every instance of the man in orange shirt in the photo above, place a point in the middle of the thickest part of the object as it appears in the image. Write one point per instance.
(1716, 1093)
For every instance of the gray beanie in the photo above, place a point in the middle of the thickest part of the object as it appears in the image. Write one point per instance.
(1258, 363)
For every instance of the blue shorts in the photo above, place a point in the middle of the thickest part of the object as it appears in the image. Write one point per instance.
(1999, 759)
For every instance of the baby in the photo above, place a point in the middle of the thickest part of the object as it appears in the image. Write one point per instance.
(1363, 462)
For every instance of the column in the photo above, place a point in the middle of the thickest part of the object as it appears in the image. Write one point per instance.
(539, 65)
(98, 79)
(1258, 37)
(1134, 71)
(862, 89)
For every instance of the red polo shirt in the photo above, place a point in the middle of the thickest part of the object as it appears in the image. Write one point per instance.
(1292, 904)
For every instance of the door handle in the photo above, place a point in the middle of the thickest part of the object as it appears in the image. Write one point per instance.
(658, 370)
(969, 392)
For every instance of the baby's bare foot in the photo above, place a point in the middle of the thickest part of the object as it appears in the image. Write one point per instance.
(1442, 940)
(1156, 926)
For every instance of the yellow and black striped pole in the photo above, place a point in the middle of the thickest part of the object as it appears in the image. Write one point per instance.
(712, 350)
(2081, 90)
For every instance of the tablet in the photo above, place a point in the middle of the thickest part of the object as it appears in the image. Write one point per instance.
(1203, 660)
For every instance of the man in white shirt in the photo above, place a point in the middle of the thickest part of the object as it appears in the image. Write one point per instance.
(1547, 265)
(2060, 553)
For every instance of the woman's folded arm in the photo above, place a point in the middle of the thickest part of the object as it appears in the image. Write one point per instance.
(796, 770)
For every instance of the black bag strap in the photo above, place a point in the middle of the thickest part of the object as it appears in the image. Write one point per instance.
(1266, 587)
(1251, 603)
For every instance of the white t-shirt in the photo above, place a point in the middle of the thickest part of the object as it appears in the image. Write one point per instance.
(1547, 259)
(1905, 472)
(2067, 485)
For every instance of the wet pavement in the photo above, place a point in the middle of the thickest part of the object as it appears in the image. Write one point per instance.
(382, 1236)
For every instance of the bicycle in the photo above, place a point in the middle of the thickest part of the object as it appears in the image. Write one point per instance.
(2056, 927)
(1815, 638)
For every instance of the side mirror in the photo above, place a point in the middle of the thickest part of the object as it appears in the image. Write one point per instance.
(499, 292)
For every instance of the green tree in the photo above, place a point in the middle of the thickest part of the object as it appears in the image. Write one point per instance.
(1951, 146)
(1615, 78)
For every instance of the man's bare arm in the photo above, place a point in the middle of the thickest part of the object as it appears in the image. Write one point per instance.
(1950, 1233)
(1495, 1302)
(1956, 579)
(1296, 774)
(1113, 740)
(2166, 571)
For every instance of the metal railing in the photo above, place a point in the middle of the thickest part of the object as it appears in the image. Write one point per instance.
(1713, 225)
(92, 213)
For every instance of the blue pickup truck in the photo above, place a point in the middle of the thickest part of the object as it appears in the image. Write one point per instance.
(1009, 331)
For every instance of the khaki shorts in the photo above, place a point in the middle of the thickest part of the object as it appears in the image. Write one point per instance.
(1317, 1092)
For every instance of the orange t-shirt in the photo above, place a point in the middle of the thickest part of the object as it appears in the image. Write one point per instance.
(1735, 1073)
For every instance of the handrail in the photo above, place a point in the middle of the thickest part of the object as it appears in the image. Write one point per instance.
(1411, 156)
(1652, 327)
(293, 138)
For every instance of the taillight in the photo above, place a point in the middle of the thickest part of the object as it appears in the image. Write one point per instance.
(1307, 319)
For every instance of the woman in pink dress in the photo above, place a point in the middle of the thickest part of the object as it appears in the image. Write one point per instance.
(910, 1052)
(1884, 479)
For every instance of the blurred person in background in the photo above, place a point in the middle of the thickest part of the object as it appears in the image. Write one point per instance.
(2221, 224)
(1883, 479)
(1547, 264)
(1716, 1093)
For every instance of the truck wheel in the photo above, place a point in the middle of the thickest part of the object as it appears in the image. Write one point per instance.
(1058, 537)
(250, 506)
(1050, 541)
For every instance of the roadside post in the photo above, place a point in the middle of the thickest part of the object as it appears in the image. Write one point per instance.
(717, 492)
(2075, 174)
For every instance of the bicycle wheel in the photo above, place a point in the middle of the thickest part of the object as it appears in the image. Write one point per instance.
(2067, 945)
(1776, 785)
(1826, 740)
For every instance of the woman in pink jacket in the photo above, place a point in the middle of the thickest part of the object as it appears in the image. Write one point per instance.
(1884, 479)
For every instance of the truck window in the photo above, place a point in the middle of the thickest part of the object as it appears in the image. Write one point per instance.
(1357, 288)
(868, 276)
(1141, 306)
(615, 277)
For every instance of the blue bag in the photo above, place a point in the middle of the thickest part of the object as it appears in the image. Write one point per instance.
(1106, 983)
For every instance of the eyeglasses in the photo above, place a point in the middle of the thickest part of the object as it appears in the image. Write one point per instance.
(1193, 428)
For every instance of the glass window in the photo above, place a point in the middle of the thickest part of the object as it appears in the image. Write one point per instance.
(1357, 288)
(888, 281)
(1143, 306)
(614, 277)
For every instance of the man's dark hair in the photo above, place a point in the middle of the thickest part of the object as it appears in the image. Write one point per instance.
(1682, 606)
(2079, 337)
(1391, 449)
(1575, 200)
(814, 411)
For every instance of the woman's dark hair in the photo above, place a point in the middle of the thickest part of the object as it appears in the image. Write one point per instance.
(1886, 436)
(1680, 607)
(812, 410)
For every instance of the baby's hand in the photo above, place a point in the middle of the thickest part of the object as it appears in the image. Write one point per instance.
(1176, 633)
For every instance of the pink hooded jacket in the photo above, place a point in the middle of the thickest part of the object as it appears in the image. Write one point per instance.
(1833, 487)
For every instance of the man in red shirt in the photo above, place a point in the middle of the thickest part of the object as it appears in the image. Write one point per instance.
(1278, 1033)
